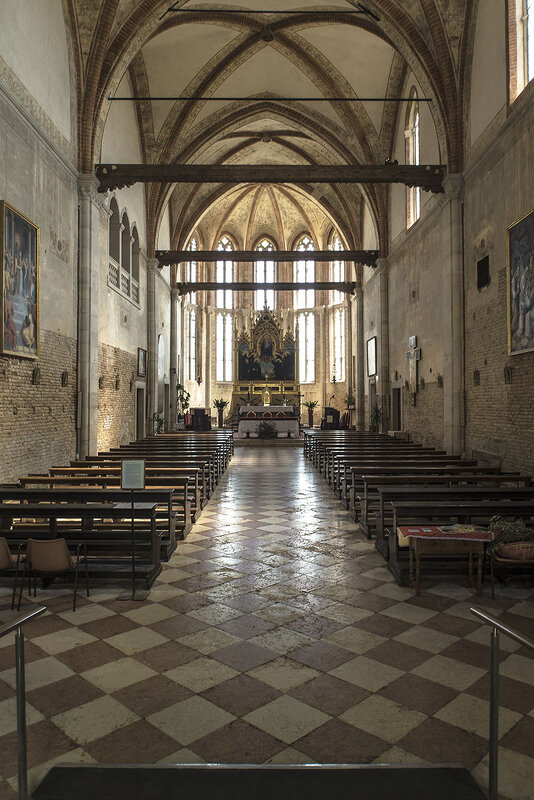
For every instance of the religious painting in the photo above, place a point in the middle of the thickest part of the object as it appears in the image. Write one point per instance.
(19, 284)
(141, 362)
(266, 354)
(521, 285)
(371, 357)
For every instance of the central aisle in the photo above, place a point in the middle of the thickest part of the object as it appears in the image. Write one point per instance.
(275, 633)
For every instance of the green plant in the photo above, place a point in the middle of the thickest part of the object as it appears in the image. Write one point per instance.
(349, 400)
(182, 399)
(220, 404)
(377, 414)
(266, 430)
(311, 404)
(158, 421)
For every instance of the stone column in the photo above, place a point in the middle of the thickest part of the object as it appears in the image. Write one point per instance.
(91, 206)
(173, 359)
(152, 339)
(360, 359)
(208, 321)
(383, 344)
(453, 305)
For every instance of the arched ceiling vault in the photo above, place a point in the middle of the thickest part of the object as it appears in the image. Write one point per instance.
(210, 52)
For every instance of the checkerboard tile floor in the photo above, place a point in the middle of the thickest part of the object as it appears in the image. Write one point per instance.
(275, 634)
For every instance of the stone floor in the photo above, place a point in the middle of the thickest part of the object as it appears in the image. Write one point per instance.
(275, 634)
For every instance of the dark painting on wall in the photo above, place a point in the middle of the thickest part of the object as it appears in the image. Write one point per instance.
(19, 284)
(521, 285)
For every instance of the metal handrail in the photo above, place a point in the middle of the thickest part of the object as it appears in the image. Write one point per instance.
(16, 625)
(17, 622)
(494, 693)
(519, 637)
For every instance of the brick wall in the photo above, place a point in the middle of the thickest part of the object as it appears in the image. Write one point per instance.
(37, 421)
(116, 397)
(425, 419)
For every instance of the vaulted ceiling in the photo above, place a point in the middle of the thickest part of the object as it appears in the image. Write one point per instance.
(222, 50)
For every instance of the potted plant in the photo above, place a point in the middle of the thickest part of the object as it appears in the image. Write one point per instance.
(266, 430)
(158, 421)
(376, 417)
(310, 405)
(349, 400)
(220, 405)
(182, 403)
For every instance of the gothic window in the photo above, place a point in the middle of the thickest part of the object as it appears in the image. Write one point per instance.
(224, 273)
(521, 44)
(135, 266)
(223, 357)
(338, 344)
(305, 273)
(191, 270)
(412, 132)
(191, 336)
(126, 256)
(264, 273)
(306, 345)
(337, 270)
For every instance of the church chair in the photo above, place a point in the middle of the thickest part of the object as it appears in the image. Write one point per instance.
(10, 563)
(52, 557)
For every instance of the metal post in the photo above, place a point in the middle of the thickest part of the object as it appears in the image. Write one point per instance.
(494, 717)
(21, 713)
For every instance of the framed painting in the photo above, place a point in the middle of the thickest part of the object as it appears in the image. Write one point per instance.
(371, 357)
(521, 285)
(19, 283)
(141, 362)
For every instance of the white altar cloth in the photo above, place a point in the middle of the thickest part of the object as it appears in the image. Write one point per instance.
(282, 426)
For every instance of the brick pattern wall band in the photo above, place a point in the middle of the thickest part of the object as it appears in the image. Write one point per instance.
(425, 419)
(116, 397)
(38, 421)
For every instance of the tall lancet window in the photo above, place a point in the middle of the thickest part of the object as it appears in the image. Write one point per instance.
(337, 270)
(338, 344)
(520, 45)
(306, 346)
(224, 273)
(412, 132)
(191, 270)
(305, 273)
(264, 273)
(528, 39)
(191, 336)
(223, 346)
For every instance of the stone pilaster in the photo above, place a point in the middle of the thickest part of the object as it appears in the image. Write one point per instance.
(453, 304)
(152, 339)
(360, 359)
(383, 342)
(91, 208)
(173, 359)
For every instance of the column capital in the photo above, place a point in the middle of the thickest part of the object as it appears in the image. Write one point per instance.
(88, 189)
(453, 185)
(152, 266)
(381, 265)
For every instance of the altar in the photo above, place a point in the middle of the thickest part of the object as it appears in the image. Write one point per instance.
(266, 366)
(283, 418)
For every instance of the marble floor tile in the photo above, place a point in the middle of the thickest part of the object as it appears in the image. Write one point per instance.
(287, 719)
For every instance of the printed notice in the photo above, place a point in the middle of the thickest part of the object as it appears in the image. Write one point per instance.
(133, 473)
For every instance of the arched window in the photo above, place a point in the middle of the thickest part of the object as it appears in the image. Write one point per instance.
(224, 273)
(520, 44)
(191, 335)
(337, 270)
(412, 131)
(306, 346)
(264, 273)
(338, 344)
(126, 256)
(223, 338)
(135, 265)
(191, 270)
(305, 273)
(114, 246)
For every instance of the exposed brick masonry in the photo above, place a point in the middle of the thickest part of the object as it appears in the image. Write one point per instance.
(37, 421)
(116, 406)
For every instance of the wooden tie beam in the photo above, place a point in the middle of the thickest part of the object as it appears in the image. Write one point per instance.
(117, 176)
(253, 286)
(166, 257)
